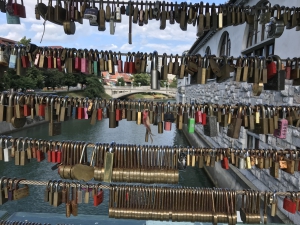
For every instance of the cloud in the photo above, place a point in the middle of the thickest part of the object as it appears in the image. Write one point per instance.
(145, 38)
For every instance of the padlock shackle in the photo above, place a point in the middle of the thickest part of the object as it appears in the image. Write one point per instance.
(1, 180)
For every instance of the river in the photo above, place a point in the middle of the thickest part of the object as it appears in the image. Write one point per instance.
(81, 130)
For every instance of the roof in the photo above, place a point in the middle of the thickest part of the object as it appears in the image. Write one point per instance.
(117, 75)
(7, 41)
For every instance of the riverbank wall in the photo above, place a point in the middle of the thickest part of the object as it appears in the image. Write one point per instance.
(234, 178)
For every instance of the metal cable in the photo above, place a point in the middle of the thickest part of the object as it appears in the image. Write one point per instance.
(99, 185)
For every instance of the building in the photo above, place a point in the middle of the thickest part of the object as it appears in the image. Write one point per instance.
(7, 41)
(111, 79)
(249, 40)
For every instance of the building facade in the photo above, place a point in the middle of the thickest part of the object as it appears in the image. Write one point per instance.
(249, 40)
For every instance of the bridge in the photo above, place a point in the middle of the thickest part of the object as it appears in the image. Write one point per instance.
(121, 91)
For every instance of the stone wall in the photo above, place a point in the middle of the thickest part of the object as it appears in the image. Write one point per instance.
(232, 92)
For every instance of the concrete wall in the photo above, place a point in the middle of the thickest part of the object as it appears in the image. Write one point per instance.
(7, 127)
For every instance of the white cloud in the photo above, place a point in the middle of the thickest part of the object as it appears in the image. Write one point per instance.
(145, 38)
(127, 47)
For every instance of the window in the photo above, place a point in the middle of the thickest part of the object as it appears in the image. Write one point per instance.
(259, 52)
(207, 51)
(250, 142)
(256, 143)
(270, 50)
(225, 44)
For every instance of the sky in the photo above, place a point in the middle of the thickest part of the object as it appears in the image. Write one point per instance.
(147, 38)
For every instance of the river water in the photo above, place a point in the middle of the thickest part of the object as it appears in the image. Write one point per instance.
(81, 130)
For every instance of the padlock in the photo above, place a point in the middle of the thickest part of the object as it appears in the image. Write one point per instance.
(277, 82)
(198, 115)
(191, 120)
(261, 125)
(274, 169)
(282, 126)
(289, 205)
(241, 158)
(290, 163)
(168, 119)
(210, 129)
(185, 114)
(225, 162)
(235, 125)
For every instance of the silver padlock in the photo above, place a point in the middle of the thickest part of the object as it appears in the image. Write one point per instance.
(242, 161)
(79, 193)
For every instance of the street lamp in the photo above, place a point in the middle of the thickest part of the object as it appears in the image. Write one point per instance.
(139, 84)
(119, 83)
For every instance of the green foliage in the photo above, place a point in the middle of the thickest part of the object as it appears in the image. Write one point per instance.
(24, 41)
(80, 78)
(121, 80)
(32, 79)
(142, 78)
(162, 83)
(94, 88)
(174, 83)
(37, 75)
(53, 78)
(69, 80)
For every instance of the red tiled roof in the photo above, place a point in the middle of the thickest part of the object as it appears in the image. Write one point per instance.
(114, 77)
(7, 41)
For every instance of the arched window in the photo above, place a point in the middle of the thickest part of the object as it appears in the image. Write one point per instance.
(225, 44)
(207, 51)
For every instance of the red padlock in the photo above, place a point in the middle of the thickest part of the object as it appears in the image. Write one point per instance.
(289, 205)
(42, 106)
(225, 163)
(126, 64)
(118, 112)
(198, 116)
(77, 61)
(40, 155)
(59, 154)
(50, 59)
(99, 113)
(203, 116)
(288, 68)
(98, 197)
(271, 69)
(54, 154)
(27, 110)
(131, 64)
(80, 110)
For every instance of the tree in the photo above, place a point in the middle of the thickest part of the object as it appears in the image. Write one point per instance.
(37, 75)
(120, 80)
(69, 80)
(142, 78)
(80, 78)
(32, 79)
(173, 83)
(162, 83)
(24, 41)
(94, 88)
(53, 78)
